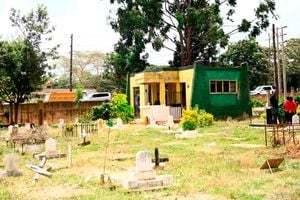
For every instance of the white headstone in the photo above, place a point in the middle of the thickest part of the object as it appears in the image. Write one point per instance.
(27, 126)
(152, 121)
(143, 161)
(119, 122)
(50, 146)
(11, 163)
(83, 133)
(295, 119)
(61, 123)
(10, 127)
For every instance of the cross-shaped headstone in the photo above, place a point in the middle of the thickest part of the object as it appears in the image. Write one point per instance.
(157, 159)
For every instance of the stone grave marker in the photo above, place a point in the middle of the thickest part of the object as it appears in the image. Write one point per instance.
(50, 147)
(119, 122)
(11, 163)
(295, 119)
(144, 176)
(61, 123)
(27, 126)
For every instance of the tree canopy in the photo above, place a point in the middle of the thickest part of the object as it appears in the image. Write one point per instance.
(23, 63)
(256, 57)
(292, 60)
(195, 27)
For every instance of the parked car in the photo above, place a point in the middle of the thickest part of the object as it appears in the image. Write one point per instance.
(99, 96)
(262, 90)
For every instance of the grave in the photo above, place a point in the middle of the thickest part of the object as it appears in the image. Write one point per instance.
(157, 160)
(144, 176)
(11, 162)
(50, 150)
(84, 135)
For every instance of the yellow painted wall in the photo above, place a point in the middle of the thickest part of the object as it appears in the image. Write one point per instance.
(143, 79)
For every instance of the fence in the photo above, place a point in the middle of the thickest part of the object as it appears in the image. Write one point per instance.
(49, 112)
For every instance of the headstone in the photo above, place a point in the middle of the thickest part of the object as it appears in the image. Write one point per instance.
(170, 121)
(14, 131)
(27, 126)
(45, 123)
(61, 123)
(144, 176)
(119, 122)
(295, 119)
(143, 161)
(76, 121)
(50, 147)
(152, 121)
(11, 162)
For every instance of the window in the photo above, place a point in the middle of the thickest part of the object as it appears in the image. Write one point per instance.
(223, 87)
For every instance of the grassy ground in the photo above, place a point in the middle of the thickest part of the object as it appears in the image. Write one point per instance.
(222, 164)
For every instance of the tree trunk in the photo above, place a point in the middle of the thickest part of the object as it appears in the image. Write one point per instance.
(11, 111)
(16, 105)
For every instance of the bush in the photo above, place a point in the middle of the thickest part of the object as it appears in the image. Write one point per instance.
(257, 103)
(118, 107)
(191, 119)
(263, 115)
(205, 119)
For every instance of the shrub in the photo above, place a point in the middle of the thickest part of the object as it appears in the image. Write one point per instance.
(257, 103)
(118, 107)
(205, 119)
(263, 115)
(191, 119)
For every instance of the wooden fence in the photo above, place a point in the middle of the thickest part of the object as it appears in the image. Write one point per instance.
(50, 112)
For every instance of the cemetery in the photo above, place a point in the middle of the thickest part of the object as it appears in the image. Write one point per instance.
(227, 159)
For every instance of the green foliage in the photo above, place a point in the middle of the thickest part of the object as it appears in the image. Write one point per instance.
(79, 94)
(190, 119)
(254, 56)
(198, 25)
(194, 118)
(23, 64)
(257, 103)
(292, 62)
(263, 115)
(205, 119)
(118, 107)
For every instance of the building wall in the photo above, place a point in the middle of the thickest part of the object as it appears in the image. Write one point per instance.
(52, 112)
(221, 104)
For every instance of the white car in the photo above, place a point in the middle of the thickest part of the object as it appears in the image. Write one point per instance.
(99, 96)
(262, 90)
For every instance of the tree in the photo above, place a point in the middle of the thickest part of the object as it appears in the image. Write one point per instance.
(197, 24)
(292, 56)
(254, 56)
(23, 62)
(85, 65)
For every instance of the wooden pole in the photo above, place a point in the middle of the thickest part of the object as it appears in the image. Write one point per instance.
(69, 155)
(275, 61)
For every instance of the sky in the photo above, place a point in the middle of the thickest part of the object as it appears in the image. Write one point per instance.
(87, 20)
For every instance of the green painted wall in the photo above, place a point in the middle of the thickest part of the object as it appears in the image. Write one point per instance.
(221, 105)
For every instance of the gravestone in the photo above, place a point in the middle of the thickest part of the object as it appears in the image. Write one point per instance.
(152, 121)
(170, 121)
(84, 134)
(11, 162)
(27, 126)
(295, 119)
(119, 122)
(50, 147)
(61, 123)
(144, 176)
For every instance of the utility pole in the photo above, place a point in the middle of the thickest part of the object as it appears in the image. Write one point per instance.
(71, 62)
(278, 64)
(275, 61)
(269, 55)
(283, 63)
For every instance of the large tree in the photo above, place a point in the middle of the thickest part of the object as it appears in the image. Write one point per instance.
(84, 66)
(256, 57)
(197, 25)
(292, 61)
(23, 63)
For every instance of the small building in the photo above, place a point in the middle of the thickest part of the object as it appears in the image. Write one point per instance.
(222, 91)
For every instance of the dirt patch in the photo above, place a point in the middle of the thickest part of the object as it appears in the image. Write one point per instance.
(292, 151)
(199, 196)
(57, 192)
(248, 146)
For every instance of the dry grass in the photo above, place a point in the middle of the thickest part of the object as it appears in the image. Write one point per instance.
(214, 166)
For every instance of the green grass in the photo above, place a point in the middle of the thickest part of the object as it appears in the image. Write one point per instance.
(209, 164)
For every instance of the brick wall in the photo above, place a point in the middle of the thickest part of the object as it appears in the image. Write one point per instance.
(50, 111)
